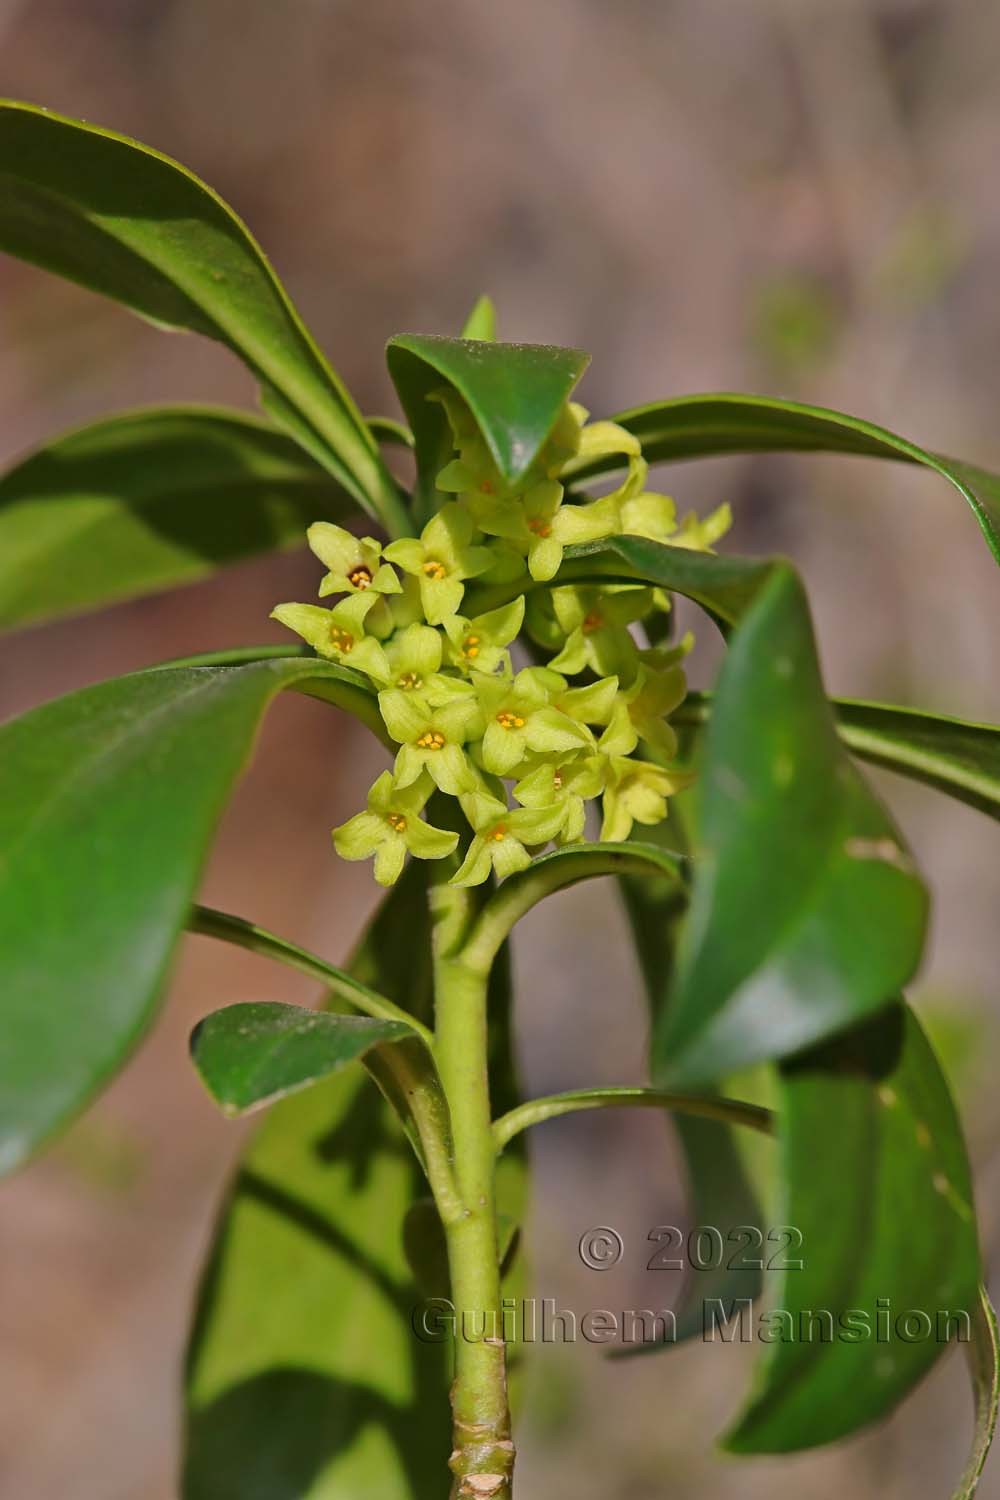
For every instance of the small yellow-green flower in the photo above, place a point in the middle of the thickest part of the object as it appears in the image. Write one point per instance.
(355, 563)
(432, 738)
(540, 526)
(595, 622)
(519, 719)
(338, 633)
(636, 792)
(604, 440)
(391, 827)
(480, 645)
(701, 535)
(414, 657)
(441, 559)
(474, 476)
(591, 704)
(501, 834)
(649, 514)
(566, 785)
(654, 694)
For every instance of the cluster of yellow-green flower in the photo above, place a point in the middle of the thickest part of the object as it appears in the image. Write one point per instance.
(468, 723)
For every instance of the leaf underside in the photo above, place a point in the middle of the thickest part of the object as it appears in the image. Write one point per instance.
(253, 1054)
(149, 500)
(876, 1179)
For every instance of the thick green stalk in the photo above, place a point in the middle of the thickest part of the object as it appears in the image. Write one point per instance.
(483, 1458)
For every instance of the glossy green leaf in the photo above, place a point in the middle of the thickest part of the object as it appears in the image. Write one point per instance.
(108, 802)
(806, 911)
(718, 1188)
(954, 755)
(148, 500)
(701, 426)
(876, 1182)
(128, 222)
(238, 656)
(720, 1193)
(306, 1380)
(388, 430)
(515, 393)
(253, 1054)
(984, 1369)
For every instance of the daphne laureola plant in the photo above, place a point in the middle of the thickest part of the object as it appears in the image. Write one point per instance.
(505, 629)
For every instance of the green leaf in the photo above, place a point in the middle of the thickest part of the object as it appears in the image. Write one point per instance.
(515, 393)
(957, 757)
(954, 755)
(984, 1369)
(128, 222)
(238, 656)
(109, 799)
(251, 1055)
(700, 426)
(806, 911)
(719, 1192)
(718, 1187)
(388, 430)
(482, 321)
(305, 1379)
(876, 1181)
(148, 500)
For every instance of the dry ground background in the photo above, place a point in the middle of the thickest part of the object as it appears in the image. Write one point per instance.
(786, 196)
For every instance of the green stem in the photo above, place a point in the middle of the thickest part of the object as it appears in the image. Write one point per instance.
(554, 872)
(483, 1456)
(732, 1111)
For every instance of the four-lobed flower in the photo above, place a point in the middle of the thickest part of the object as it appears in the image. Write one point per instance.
(432, 738)
(565, 784)
(636, 791)
(595, 623)
(355, 563)
(414, 656)
(502, 837)
(391, 827)
(441, 559)
(519, 718)
(481, 644)
(339, 634)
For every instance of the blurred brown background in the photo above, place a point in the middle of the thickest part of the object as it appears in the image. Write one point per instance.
(786, 196)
